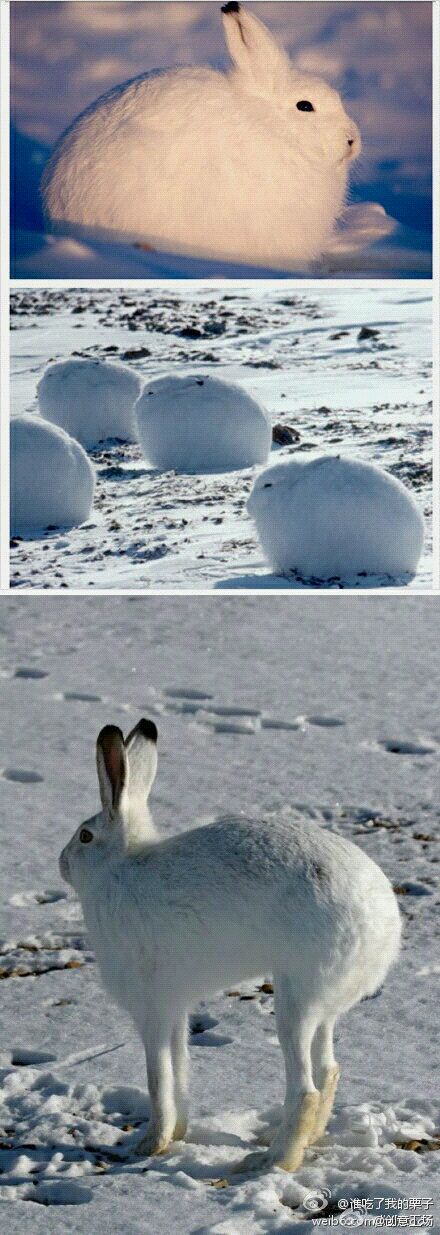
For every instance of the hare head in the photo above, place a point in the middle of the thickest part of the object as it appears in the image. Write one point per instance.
(126, 771)
(319, 124)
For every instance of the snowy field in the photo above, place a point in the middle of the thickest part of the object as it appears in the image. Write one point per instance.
(344, 370)
(328, 707)
(377, 55)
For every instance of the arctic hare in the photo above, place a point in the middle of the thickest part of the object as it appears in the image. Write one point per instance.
(249, 165)
(175, 920)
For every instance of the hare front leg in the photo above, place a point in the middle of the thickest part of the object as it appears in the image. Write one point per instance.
(180, 1060)
(161, 1090)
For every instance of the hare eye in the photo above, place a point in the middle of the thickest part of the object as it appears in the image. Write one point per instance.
(85, 836)
(304, 105)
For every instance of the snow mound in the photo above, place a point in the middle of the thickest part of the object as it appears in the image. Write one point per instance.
(52, 480)
(91, 399)
(201, 423)
(333, 517)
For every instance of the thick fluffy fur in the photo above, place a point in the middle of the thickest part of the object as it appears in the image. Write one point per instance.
(209, 163)
(331, 516)
(175, 920)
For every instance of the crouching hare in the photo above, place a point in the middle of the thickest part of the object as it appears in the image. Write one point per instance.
(175, 920)
(249, 165)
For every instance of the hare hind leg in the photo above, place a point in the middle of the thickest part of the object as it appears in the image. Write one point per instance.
(326, 1074)
(296, 1024)
(179, 1053)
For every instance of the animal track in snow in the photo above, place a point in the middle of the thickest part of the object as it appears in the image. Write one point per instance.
(397, 746)
(47, 897)
(21, 775)
(201, 1028)
(29, 673)
(245, 726)
(66, 1192)
(253, 713)
(22, 1057)
(81, 697)
(181, 693)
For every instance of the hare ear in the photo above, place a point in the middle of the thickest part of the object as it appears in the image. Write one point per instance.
(112, 765)
(141, 749)
(254, 52)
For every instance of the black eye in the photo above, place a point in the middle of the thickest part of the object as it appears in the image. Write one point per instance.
(268, 486)
(304, 105)
(85, 836)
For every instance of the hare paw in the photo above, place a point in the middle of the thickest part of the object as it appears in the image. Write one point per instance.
(153, 1143)
(180, 1130)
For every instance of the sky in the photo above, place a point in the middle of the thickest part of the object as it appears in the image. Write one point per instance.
(378, 54)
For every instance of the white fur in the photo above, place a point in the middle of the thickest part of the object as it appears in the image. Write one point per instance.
(52, 480)
(175, 920)
(199, 423)
(91, 399)
(210, 163)
(333, 516)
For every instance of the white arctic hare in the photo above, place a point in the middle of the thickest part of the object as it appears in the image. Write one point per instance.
(175, 920)
(250, 165)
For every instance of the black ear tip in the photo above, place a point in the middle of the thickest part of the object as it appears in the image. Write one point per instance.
(231, 7)
(148, 730)
(109, 732)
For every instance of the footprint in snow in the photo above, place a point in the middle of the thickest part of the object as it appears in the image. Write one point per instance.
(82, 696)
(63, 1193)
(21, 775)
(395, 746)
(47, 897)
(24, 1058)
(252, 713)
(32, 674)
(201, 1028)
(181, 693)
(236, 727)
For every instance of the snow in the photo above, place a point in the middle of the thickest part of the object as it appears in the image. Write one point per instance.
(91, 399)
(368, 243)
(72, 1080)
(332, 516)
(52, 480)
(199, 423)
(339, 369)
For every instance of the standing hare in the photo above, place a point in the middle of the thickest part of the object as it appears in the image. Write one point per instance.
(250, 165)
(175, 920)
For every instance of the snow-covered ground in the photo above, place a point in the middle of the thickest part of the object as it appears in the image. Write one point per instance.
(347, 370)
(368, 243)
(328, 707)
